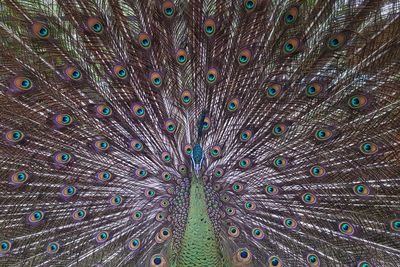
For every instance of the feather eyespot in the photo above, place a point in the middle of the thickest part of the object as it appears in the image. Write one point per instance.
(53, 247)
(116, 200)
(5, 246)
(346, 228)
(244, 163)
(163, 235)
(309, 198)
(237, 187)
(357, 102)
(225, 198)
(182, 169)
(313, 89)
(150, 193)
(242, 257)
(62, 120)
(230, 211)
(138, 110)
(164, 203)
(181, 56)
(215, 151)
(245, 135)
(158, 260)
(206, 123)
(312, 260)
(209, 27)
(120, 72)
(141, 173)
(168, 9)
(41, 30)
(166, 157)
(368, 148)
(170, 126)
(134, 244)
(217, 187)
(186, 97)
(62, 158)
(336, 41)
(79, 214)
(317, 171)
(68, 191)
(18, 178)
(156, 79)
(104, 176)
(95, 25)
(212, 75)
(291, 46)
(363, 264)
(244, 57)
(14, 136)
(144, 40)
(271, 190)
(103, 110)
(290, 16)
(36, 217)
(280, 162)
(279, 129)
(218, 172)
(102, 237)
(101, 145)
(258, 233)
(188, 149)
(166, 176)
(233, 104)
(395, 225)
(274, 261)
(23, 84)
(137, 215)
(160, 216)
(233, 231)
(290, 223)
(274, 90)
(136, 145)
(323, 134)
(250, 205)
(73, 73)
(250, 5)
(361, 190)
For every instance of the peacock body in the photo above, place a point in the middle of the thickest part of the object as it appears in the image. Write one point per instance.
(200, 133)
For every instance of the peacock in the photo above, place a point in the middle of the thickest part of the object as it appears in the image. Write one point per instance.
(204, 133)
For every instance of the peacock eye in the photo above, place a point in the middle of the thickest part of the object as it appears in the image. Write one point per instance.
(250, 5)
(138, 110)
(102, 237)
(104, 176)
(237, 187)
(323, 134)
(271, 189)
(361, 190)
(166, 176)
(245, 136)
(279, 129)
(313, 260)
(336, 41)
(346, 228)
(14, 136)
(150, 193)
(233, 231)
(212, 75)
(181, 56)
(209, 27)
(141, 173)
(363, 264)
(158, 260)
(274, 261)
(62, 157)
(168, 8)
(274, 90)
(136, 145)
(166, 157)
(357, 102)
(290, 16)
(280, 162)
(317, 171)
(290, 223)
(188, 149)
(137, 215)
(103, 110)
(144, 40)
(120, 72)
(244, 57)
(116, 200)
(5, 246)
(41, 30)
(250, 205)
(313, 89)
(36, 216)
(23, 84)
(53, 247)
(73, 73)
(258, 233)
(156, 79)
(186, 97)
(309, 198)
(95, 25)
(233, 104)
(244, 163)
(215, 151)
(218, 172)
(395, 225)
(79, 214)
(230, 211)
(368, 148)
(101, 145)
(170, 126)
(68, 191)
(291, 46)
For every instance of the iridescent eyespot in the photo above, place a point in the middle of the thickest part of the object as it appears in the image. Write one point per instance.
(308, 198)
(250, 205)
(290, 223)
(242, 257)
(225, 198)
(290, 16)
(104, 176)
(212, 75)
(346, 228)
(395, 225)
(361, 190)
(156, 79)
(73, 73)
(274, 261)
(166, 157)
(141, 173)
(14, 136)
(279, 129)
(134, 244)
(138, 110)
(164, 203)
(182, 169)
(95, 25)
(181, 56)
(244, 57)
(274, 90)
(116, 200)
(36, 216)
(358, 101)
(249, 5)
(164, 234)
(186, 97)
(280, 162)
(368, 148)
(336, 41)
(244, 163)
(79, 215)
(136, 145)
(5, 246)
(230, 211)
(323, 134)
(312, 260)
(237, 187)
(245, 136)
(209, 27)
(150, 193)
(291, 46)
(233, 104)
(218, 172)
(206, 123)
(23, 84)
(120, 72)
(19, 178)
(160, 216)
(166, 176)
(215, 151)
(317, 171)
(363, 264)
(170, 126)
(271, 190)
(68, 191)
(103, 110)
(53, 247)
(188, 149)
(137, 215)
(168, 8)
(144, 40)
(217, 187)
(313, 89)
(158, 260)
(41, 30)
(102, 237)
(233, 231)
(62, 120)
(101, 145)
(258, 233)
(62, 157)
